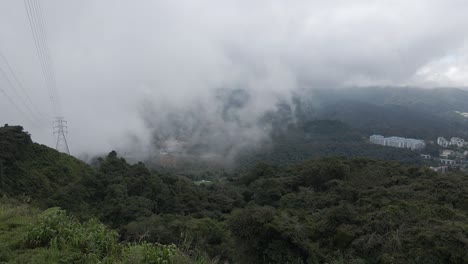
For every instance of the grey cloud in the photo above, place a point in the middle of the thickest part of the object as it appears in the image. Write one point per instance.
(125, 67)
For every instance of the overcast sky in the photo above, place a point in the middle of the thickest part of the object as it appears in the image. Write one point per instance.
(111, 56)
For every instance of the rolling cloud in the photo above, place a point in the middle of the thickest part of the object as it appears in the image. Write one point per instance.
(126, 68)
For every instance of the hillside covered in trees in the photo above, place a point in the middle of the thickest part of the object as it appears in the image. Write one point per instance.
(338, 122)
(323, 138)
(391, 111)
(324, 210)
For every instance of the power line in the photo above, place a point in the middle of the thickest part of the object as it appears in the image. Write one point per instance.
(37, 25)
(16, 93)
(39, 49)
(50, 69)
(37, 6)
(15, 105)
(19, 84)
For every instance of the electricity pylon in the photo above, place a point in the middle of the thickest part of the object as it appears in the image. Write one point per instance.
(61, 130)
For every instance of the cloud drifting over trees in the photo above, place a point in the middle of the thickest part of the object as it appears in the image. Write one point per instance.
(121, 66)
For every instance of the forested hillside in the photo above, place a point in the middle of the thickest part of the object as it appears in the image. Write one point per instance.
(32, 169)
(328, 210)
(323, 138)
(338, 122)
(398, 111)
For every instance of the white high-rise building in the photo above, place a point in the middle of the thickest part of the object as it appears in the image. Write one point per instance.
(456, 141)
(441, 141)
(398, 142)
(377, 139)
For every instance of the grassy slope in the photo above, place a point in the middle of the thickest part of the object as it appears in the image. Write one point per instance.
(30, 236)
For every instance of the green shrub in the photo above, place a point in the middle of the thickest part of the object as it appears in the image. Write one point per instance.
(149, 253)
(56, 229)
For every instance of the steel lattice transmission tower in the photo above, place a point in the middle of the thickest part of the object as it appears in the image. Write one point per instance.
(39, 33)
(61, 130)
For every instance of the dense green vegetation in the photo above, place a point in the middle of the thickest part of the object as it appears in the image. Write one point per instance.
(328, 210)
(323, 138)
(34, 170)
(53, 236)
(391, 111)
(338, 122)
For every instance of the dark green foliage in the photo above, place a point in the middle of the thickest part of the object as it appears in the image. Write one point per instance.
(199, 235)
(53, 236)
(323, 138)
(328, 210)
(357, 210)
(338, 122)
(318, 174)
(56, 229)
(13, 143)
(400, 111)
(35, 170)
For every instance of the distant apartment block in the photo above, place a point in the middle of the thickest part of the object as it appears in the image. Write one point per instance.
(459, 142)
(443, 142)
(446, 153)
(464, 114)
(398, 142)
(447, 161)
(455, 141)
(426, 156)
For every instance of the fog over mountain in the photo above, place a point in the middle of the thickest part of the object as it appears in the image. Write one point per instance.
(133, 75)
